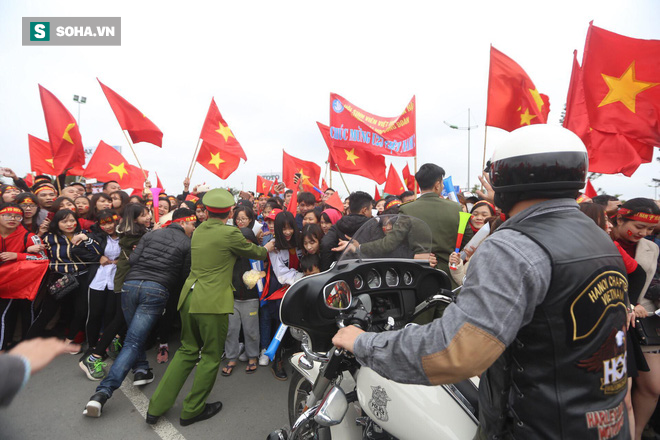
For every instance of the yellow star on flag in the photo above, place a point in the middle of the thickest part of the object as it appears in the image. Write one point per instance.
(525, 118)
(50, 161)
(224, 131)
(119, 169)
(537, 98)
(66, 136)
(216, 160)
(625, 88)
(303, 178)
(350, 155)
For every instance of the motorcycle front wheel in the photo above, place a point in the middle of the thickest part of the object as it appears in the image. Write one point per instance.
(299, 389)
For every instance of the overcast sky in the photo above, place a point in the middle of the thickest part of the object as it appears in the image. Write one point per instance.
(272, 65)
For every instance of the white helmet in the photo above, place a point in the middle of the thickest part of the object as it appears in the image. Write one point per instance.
(539, 157)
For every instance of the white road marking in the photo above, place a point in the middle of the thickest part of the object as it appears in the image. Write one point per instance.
(164, 429)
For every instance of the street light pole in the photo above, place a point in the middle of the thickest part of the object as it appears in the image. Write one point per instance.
(79, 100)
(468, 128)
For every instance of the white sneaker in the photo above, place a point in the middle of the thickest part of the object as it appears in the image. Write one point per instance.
(263, 359)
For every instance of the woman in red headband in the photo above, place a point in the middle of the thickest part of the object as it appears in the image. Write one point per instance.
(635, 220)
(480, 211)
(8, 193)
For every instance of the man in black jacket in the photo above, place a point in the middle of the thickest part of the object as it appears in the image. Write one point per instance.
(359, 204)
(159, 264)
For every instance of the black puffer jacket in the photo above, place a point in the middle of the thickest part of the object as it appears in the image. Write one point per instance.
(162, 256)
(345, 227)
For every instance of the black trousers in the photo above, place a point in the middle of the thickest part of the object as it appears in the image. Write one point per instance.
(10, 310)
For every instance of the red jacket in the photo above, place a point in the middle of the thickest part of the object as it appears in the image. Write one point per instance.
(18, 241)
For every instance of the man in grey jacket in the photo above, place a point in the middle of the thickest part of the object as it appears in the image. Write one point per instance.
(542, 313)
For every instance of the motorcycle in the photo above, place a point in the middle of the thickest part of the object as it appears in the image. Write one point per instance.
(382, 282)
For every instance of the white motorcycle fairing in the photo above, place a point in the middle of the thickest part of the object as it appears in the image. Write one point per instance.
(414, 412)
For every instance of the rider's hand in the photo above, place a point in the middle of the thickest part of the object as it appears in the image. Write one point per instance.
(345, 337)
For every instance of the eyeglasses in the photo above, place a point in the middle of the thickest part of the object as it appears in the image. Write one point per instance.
(27, 206)
(10, 217)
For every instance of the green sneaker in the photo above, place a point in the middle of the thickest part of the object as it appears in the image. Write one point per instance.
(93, 367)
(114, 349)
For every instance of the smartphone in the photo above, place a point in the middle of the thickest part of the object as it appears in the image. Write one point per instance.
(50, 216)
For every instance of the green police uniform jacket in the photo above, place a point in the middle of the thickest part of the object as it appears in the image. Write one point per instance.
(442, 217)
(214, 250)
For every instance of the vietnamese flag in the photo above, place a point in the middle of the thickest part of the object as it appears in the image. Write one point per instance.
(354, 160)
(324, 186)
(63, 134)
(21, 279)
(139, 127)
(41, 156)
(393, 185)
(217, 160)
(264, 186)
(621, 77)
(159, 184)
(377, 194)
(216, 132)
(609, 153)
(589, 190)
(310, 173)
(513, 100)
(108, 164)
(335, 202)
(409, 179)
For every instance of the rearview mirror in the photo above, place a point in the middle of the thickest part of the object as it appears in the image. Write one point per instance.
(337, 295)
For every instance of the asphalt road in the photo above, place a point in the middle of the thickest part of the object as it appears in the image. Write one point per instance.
(51, 405)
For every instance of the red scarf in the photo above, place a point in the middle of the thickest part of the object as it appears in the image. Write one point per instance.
(628, 246)
(294, 263)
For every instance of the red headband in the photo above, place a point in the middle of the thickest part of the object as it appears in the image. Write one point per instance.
(192, 218)
(11, 187)
(218, 210)
(43, 188)
(391, 204)
(11, 210)
(107, 220)
(482, 203)
(27, 200)
(638, 216)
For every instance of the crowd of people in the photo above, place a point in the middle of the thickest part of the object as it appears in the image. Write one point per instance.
(95, 240)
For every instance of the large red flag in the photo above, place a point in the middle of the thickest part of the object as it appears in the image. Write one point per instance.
(351, 126)
(621, 78)
(309, 171)
(63, 134)
(41, 156)
(21, 279)
(264, 186)
(217, 160)
(108, 164)
(354, 160)
(394, 185)
(513, 100)
(139, 127)
(215, 131)
(609, 153)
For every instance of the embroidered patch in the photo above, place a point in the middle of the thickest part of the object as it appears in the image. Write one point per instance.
(608, 422)
(606, 292)
(378, 403)
(610, 359)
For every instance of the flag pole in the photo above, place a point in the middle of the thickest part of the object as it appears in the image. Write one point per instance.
(190, 168)
(342, 179)
(130, 144)
(415, 172)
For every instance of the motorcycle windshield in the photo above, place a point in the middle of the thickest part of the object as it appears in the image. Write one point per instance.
(390, 236)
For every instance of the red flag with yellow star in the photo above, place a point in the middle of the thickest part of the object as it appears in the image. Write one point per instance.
(609, 153)
(513, 100)
(409, 179)
(139, 127)
(264, 186)
(41, 156)
(393, 186)
(63, 134)
(621, 78)
(310, 173)
(108, 164)
(216, 132)
(217, 160)
(353, 160)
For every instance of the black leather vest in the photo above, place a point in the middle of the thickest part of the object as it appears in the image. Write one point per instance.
(564, 376)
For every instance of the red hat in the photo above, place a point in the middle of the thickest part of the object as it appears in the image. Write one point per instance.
(273, 214)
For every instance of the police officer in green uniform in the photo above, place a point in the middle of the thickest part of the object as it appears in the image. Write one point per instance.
(206, 300)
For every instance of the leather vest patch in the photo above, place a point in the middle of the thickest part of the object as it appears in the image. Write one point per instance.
(606, 291)
(609, 361)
